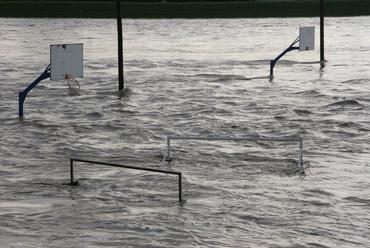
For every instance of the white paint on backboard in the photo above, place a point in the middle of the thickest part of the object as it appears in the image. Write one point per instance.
(66, 59)
(306, 38)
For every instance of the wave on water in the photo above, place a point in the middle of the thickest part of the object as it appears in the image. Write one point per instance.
(356, 81)
(211, 77)
(346, 103)
(311, 93)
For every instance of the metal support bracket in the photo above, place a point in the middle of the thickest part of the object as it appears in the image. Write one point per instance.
(273, 62)
(23, 94)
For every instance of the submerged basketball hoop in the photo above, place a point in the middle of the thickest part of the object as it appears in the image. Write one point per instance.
(306, 41)
(66, 62)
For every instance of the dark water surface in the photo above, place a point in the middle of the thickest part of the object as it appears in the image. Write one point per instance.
(186, 77)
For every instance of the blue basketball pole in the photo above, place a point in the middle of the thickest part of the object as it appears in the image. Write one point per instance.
(23, 94)
(273, 62)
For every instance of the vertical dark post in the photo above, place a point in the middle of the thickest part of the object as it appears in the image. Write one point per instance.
(120, 47)
(322, 45)
(168, 155)
(20, 104)
(271, 69)
(71, 171)
(180, 187)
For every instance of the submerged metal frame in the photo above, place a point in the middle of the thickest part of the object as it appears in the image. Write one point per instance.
(273, 62)
(23, 94)
(167, 156)
(75, 183)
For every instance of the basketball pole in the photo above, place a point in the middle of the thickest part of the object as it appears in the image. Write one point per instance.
(322, 39)
(121, 79)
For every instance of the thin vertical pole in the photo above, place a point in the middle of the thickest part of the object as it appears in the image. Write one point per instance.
(180, 187)
(120, 47)
(71, 170)
(322, 39)
(300, 159)
(168, 149)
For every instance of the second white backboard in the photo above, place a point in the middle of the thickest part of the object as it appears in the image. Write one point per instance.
(306, 38)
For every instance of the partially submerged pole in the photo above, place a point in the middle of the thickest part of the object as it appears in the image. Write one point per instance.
(322, 45)
(121, 79)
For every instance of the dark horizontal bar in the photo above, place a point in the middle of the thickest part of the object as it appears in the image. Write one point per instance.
(128, 166)
(184, 9)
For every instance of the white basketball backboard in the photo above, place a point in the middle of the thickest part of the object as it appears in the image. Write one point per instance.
(306, 38)
(66, 59)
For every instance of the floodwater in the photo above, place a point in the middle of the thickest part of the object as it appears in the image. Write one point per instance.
(191, 78)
